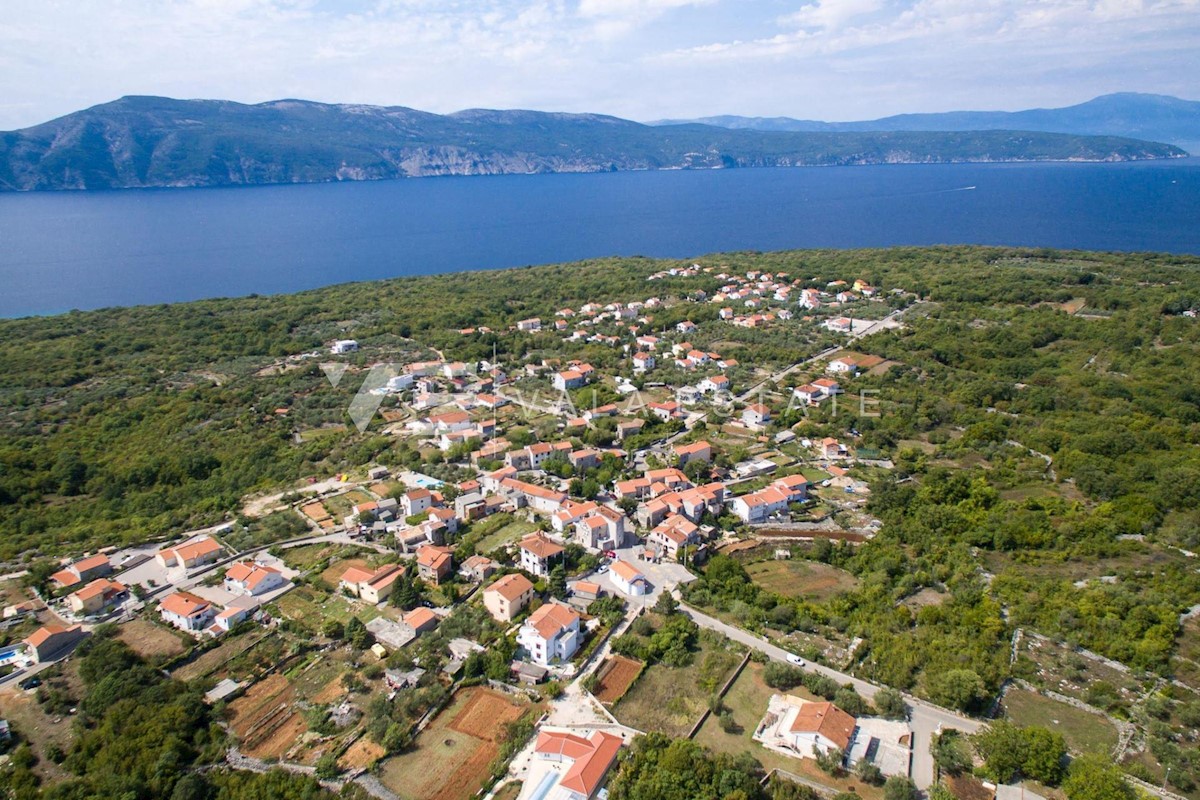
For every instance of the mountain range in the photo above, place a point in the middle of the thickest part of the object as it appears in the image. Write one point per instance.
(1154, 117)
(137, 142)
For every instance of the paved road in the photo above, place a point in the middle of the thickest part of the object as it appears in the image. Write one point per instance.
(924, 719)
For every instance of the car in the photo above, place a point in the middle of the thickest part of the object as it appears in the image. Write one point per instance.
(603, 568)
(795, 659)
(610, 553)
(30, 683)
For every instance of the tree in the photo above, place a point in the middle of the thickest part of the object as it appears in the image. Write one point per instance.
(333, 629)
(1046, 752)
(869, 773)
(666, 604)
(899, 787)
(1004, 749)
(558, 582)
(850, 701)
(950, 752)
(1093, 778)
(957, 688)
(890, 704)
(327, 767)
(357, 633)
(406, 591)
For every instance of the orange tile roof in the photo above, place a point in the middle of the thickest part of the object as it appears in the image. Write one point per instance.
(420, 617)
(432, 557)
(99, 587)
(90, 563)
(592, 757)
(626, 571)
(357, 575)
(540, 546)
(184, 604)
(552, 618)
(510, 587)
(827, 720)
(44, 633)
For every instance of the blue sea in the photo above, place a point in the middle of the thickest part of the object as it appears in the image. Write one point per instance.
(84, 250)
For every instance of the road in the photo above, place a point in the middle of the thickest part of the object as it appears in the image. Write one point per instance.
(925, 719)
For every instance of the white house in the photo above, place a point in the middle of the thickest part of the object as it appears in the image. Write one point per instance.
(248, 577)
(343, 346)
(628, 579)
(186, 611)
(582, 765)
(550, 635)
(805, 727)
(539, 555)
(756, 415)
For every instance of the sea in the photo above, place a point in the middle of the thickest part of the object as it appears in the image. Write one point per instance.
(83, 250)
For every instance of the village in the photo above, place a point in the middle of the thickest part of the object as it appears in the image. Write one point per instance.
(473, 627)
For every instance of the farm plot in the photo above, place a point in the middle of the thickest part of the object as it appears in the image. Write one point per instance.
(615, 677)
(807, 580)
(265, 718)
(236, 653)
(451, 757)
(1085, 732)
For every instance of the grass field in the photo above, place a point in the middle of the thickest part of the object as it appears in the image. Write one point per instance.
(150, 640)
(670, 699)
(807, 580)
(215, 661)
(342, 505)
(312, 608)
(451, 757)
(747, 703)
(509, 533)
(1085, 732)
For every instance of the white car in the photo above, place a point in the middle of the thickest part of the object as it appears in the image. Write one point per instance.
(795, 659)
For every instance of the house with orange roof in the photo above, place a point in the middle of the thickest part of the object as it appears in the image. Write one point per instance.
(53, 641)
(628, 578)
(696, 451)
(434, 563)
(421, 619)
(97, 566)
(551, 635)
(186, 611)
(538, 498)
(540, 554)
(252, 578)
(756, 415)
(580, 765)
(370, 585)
(805, 727)
(571, 512)
(195, 553)
(757, 507)
(97, 596)
(673, 534)
(507, 597)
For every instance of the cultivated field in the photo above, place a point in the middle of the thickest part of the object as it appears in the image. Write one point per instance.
(363, 753)
(217, 661)
(616, 675)
(451, 757)
(265, 718)
(807, 580)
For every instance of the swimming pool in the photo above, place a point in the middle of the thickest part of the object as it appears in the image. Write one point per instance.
(548, 782)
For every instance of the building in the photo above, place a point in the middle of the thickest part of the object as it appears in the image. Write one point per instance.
(478, 568)
(697, 451)
(569, 379)
(86, 569)
(628, 579)
(421, 619)
(806, 728)
(539, 554)
(507, 597)
(53, 641)
(602, 529)
(434, 564)
(551, 634)
(673, 534)
(758, 506)
(186, 611)
(756, 415)
(97, 596)
(342, 346)
(538, 498)
(416, 501)
(251, 578)
(190, 555)
(370, 585)
(580, 765)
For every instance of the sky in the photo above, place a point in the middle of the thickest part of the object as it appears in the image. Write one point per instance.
(638, 59)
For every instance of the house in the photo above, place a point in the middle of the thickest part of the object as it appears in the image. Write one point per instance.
(186, 611)
(697, 451)
(421, 619)
(507, 597)
(531, 325)
(398, 679)
(372, 586)
(647, 342)
(539, 498)
(587, 591)
(584, 763)
(189, 555)
(717, 384)
(231, 616)
(53, 641)
(86, 569)
(551, 634)
(584, 459)
(840, 324)
(342, 346)
(602, 529)
(628, 578)
(756, 415)
(831, 448)
(806, 727)
(665, 411)
(829, 386)
(673, 534)
(248, 577)
(478, 568)
(758, 506)
(629, 428)
(569, 379)
(97, 596)
(539, 554)
(809, 393)
(434, 563)
(416, 501)
(687, 326)
(571, 512)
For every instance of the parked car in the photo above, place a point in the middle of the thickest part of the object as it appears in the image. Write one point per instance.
(795, 659)
(31, 682)
(610, 553)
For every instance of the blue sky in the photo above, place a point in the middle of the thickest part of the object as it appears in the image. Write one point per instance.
(640, 59)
